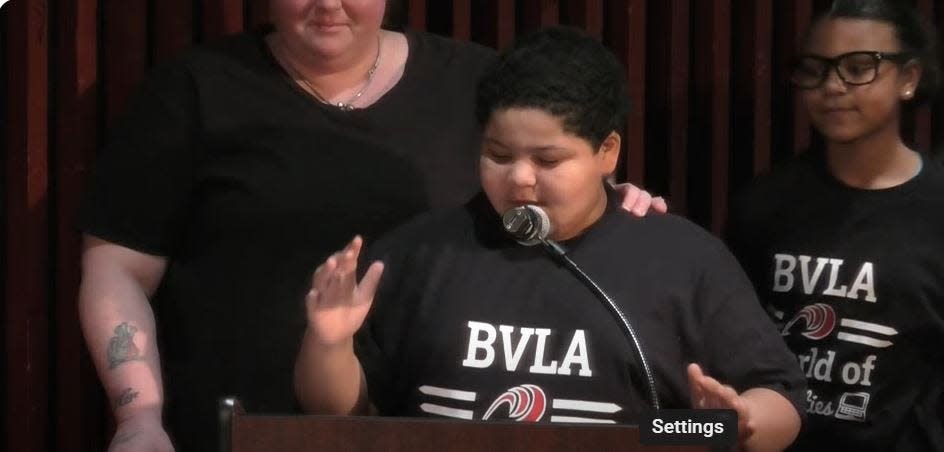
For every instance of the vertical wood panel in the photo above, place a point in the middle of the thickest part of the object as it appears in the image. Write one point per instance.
(720, 110)
(76, 138)
(27, 225)
(667, 101)
(791, 130)
(462, 19)
(537, 14)
(922, 118)
(173, 28)
(586, 14)
(761, 42)
(802, 14)
(221, 18)
(753, 80)
(416, 11)
(499, 23)
(258, 13)
(625, 33)
(125, 51)
(678, 80)
(712, 90)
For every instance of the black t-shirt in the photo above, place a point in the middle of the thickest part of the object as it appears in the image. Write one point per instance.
(468, 324)
(246, 183)
(855, 280)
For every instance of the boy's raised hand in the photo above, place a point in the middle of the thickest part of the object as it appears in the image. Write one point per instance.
(337, 304)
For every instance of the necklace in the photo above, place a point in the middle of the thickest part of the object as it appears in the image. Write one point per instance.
(347, 105)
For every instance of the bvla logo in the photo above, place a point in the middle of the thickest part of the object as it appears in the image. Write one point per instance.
(526, 403)
(819, 319)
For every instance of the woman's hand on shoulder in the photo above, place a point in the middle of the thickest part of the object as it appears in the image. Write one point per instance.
(640, 202)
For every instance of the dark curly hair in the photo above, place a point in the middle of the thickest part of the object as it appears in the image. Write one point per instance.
(916, 36)
(564, 72)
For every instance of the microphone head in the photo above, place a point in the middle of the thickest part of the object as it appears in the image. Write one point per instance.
(528, 224)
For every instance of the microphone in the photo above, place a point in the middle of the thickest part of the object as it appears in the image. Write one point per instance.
(529, 225)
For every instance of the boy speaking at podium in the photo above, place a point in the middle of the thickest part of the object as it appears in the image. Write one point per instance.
(455, 318)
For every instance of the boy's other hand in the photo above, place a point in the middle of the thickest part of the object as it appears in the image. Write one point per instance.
(708, 393)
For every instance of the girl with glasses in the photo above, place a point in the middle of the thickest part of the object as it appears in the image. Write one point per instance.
(845, 244)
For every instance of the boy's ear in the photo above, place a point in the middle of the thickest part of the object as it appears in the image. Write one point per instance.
(608, 154)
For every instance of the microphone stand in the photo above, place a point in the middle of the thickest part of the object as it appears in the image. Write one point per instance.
(560, 255)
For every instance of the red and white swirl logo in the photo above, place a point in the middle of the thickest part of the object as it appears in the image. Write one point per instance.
(819, 318)
(526, 403)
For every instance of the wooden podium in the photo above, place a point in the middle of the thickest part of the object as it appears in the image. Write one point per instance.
(242, 432)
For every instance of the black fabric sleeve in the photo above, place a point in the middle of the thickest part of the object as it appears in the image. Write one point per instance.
(140, 187)
(743, 347)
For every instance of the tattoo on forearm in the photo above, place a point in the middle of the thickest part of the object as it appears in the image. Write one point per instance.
(127, 396)
(123, 437)
(121, 348)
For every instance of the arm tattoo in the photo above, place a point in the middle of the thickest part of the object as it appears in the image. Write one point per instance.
(121, 348)
(127, 396)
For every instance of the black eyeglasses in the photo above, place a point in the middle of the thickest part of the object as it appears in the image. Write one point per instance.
(853, 68)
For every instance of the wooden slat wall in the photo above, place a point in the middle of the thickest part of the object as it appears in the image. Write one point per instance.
(586, 14)
(625, 33)
(794, 128)
(498, 24)
(172, 22)
(711, 108)
(26, 258)
(462, 19)
(920, 125)
(667, 108)
(75, 137)
(258, 13)
(222, 17)
(417, 14)
(538, 13)
(712, 90)
(125, 52)
(751, 87)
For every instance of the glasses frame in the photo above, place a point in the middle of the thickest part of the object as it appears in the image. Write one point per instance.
(833, 66)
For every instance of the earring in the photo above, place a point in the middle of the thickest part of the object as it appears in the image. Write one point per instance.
(908, 94)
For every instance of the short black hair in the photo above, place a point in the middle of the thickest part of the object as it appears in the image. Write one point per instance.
(916, 36)
(564, 72)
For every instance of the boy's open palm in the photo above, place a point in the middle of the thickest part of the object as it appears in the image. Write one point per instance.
(337, 303)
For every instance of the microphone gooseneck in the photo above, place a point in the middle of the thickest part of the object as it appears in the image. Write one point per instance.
(530, 225)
